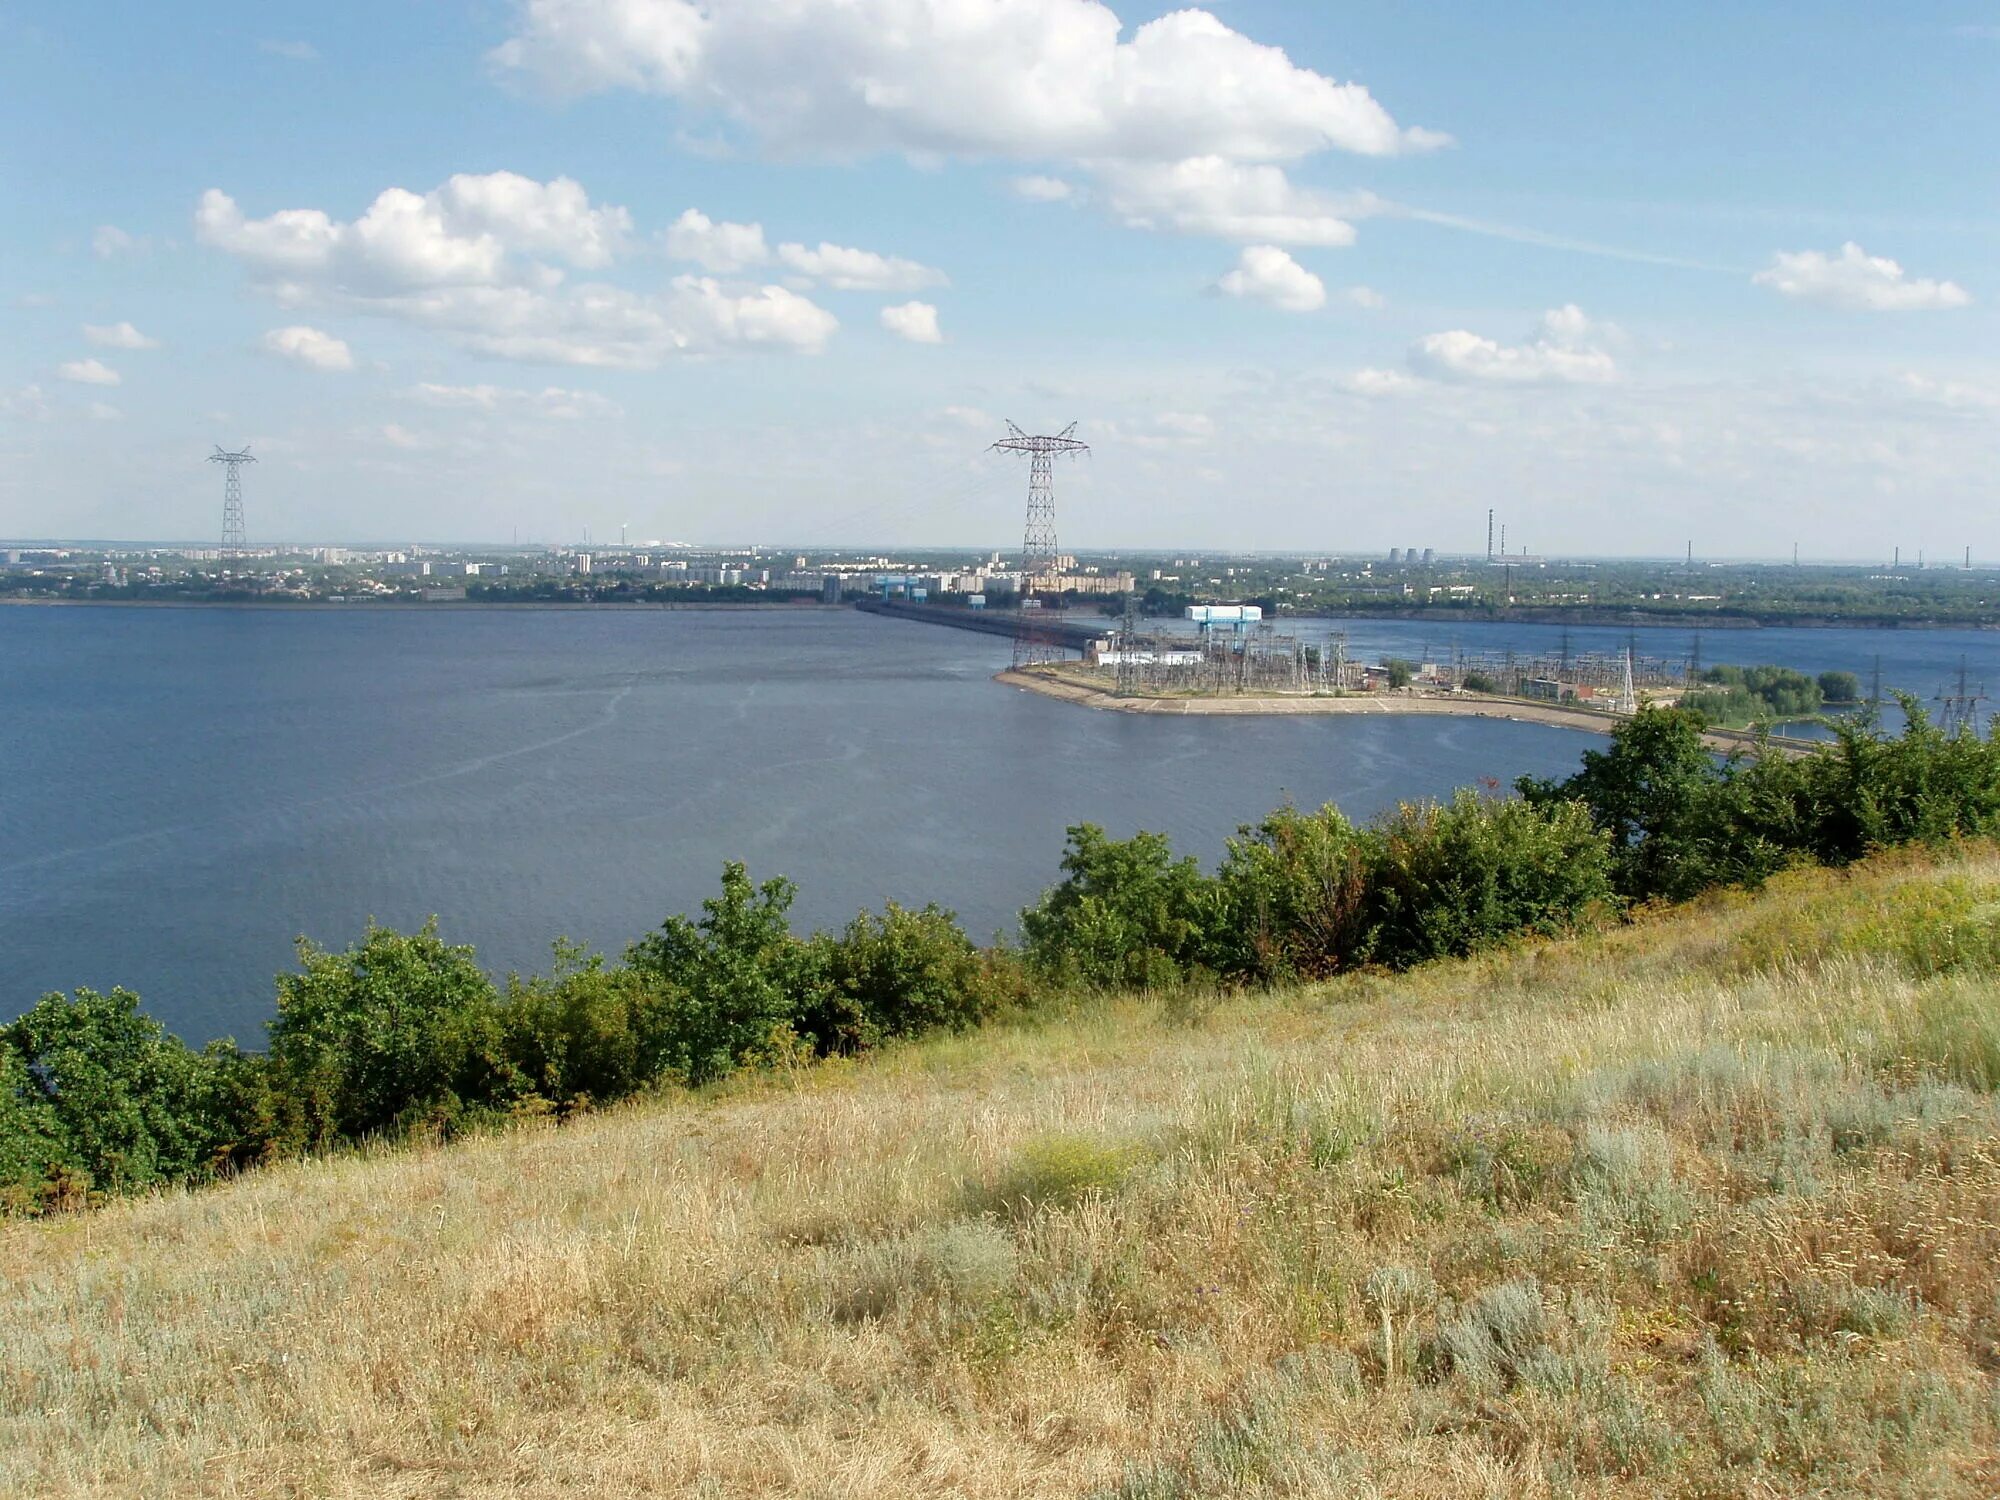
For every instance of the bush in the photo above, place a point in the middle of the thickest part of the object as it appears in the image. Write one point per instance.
(1294, 894)
(1479, 682)
(98, 1089)
(1445, 880)
(1127, 915)
(897, 975)
(395, 1032)
(587, 1034)
(34, 1158)
(729, 982)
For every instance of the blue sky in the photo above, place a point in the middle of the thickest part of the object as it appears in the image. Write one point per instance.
(1310, 276)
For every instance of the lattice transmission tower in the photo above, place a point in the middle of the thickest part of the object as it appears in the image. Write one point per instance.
(1036, 641)
(232, 494)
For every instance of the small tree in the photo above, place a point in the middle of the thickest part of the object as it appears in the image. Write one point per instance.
(102, 1087)
(1126, 913)
(1293, 893)
(734, 977)
(1446, 880)
(897, 975)
(396, 1031)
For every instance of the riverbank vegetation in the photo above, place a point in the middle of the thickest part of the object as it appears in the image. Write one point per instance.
(1702, 1203)
(404, 1036)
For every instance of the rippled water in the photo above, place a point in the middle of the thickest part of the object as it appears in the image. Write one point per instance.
(182, 791)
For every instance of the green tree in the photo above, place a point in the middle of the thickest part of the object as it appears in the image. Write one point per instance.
(396, 1032)
(734, 977)
(35, 1160)
(124, 1099)
(1294, 897)
(1647, 793)
(1126, 913)
(1400, 671)
(898, 975)
(1448, 879)
(588, 1033)
(1839, 687)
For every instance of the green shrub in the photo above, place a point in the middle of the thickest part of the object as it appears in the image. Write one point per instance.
(1294, 898)
(587, 1034)
(34, 1158)
(1448, 879)
(396, 1032)
(1126, 915)
(1061, 1169)
(99, 1088)
(901, 974)
(730, 982)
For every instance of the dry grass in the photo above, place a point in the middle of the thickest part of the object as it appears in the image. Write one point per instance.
(1706, 1206)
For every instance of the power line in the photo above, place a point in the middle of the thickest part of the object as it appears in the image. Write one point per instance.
(1032, 642)
(232, 494)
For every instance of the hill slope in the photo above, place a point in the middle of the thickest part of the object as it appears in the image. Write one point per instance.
(1706, 1205)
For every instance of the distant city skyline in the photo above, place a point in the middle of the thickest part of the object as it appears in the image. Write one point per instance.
(1312, 279)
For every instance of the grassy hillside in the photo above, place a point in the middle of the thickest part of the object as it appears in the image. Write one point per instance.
(1706, 1205)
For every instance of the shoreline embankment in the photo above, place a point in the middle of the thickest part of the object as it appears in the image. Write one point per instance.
(1458, 705)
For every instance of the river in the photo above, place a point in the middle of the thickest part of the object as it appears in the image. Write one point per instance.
(183, 791)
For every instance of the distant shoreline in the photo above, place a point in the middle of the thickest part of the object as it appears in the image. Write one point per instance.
(348, 605)
(1599, 619)
(1460, 705)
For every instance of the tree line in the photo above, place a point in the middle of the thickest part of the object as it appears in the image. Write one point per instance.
(405, 1036)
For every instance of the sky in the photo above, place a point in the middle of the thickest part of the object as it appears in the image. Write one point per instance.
(1309, 276)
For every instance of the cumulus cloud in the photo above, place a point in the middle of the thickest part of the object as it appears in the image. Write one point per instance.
(849, 270)
(915, 321)
(1032, 78)
(1213, 196)
(1267, 274)
(550, 401)
(472, 230)
(1566, 350)
(1365, 297)
(1376, 383)
(1856, 280)
(1184, 122)
(723, 248)
(481, 260)
(309, 347)
(87, 372)
(117, 336)
(1038, 189)
(108, 242)
(30, 403)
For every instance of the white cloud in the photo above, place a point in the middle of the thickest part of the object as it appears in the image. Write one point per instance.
(292, 50)
(1954, 395)
(471, 260)
(103, 411)
(1267, 274)
(1027, 79)
(87, 372)
(34, 300)
(1856, 280)
(849, 270)
(1211, 195)
(1037, 189)
(108, 242)
(398, 436)
(309, 347)
(550, 401)
(969, 416)
(1376, 383)
(723, 248)
(29, 404)
(472, 230)
(1365, 297)
(1194, 426)
(1184, 122)
(1565, 351)
(915, 321)
(118, 336)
